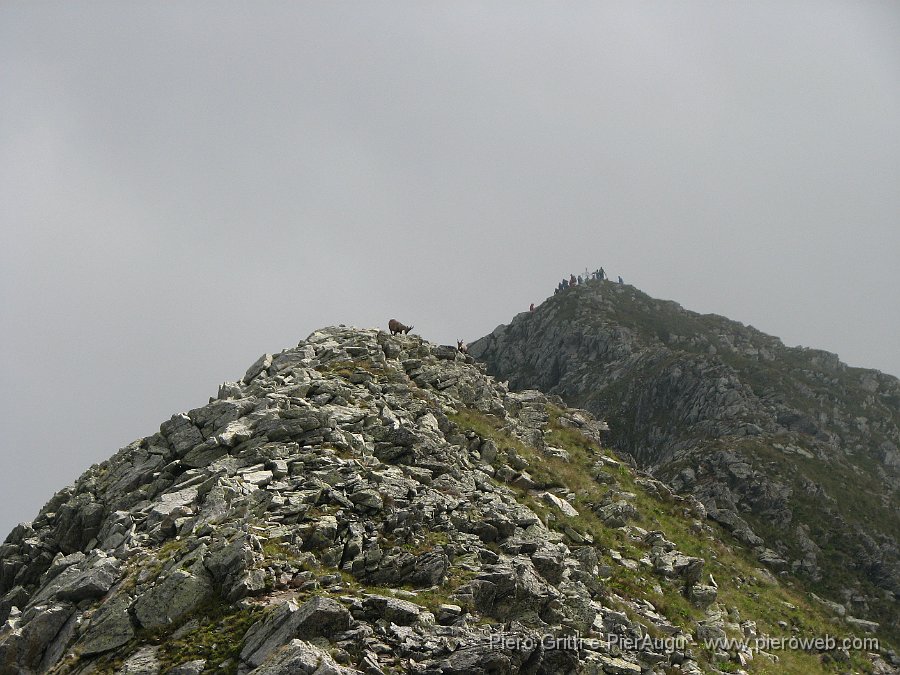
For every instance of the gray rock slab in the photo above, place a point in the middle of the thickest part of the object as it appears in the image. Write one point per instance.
(177, 596)
(145, 661)
(181, 433)
(598, 664)
(257, 478)
(41, 625)
(868, 626)
(93, 582)
(367, 499)
(194, 667)
(702, 595)
(171, 501)
(109, 628)
(565, 507)
(319, 616)
(205, 454)
(261, 364)
(397, 611)
(298, 657)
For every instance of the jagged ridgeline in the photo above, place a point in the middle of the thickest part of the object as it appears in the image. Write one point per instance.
(792, 451)
(372, 504)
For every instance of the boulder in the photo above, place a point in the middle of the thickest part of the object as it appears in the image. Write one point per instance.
(301, 658)
(181, 433)
(367, 499)
(40, 626)
(145, 661)
(174, 598)
(394, 610)
(508, 592)
(549, 564)
(617, 514)
(93, 582)
(319, 616)
(172, 501)
(598, 664)
(261, 364)
(565, 507)
(702, 595)
(772, 559)
(862, 624)
(195, 667)
(110, 627)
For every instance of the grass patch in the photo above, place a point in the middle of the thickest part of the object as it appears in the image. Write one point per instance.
(346, 369)
(275, 552)
(218, 639)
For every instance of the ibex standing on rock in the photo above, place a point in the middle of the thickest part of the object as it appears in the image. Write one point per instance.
(396, 327)
(462, 347)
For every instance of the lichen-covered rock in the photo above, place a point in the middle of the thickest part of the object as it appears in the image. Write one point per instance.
(24, 649)
(89, 581)
(617, 514)
(599, 665)
(175, 597)
(702, 595)
(395, 610)
(110, 627)
(299, 657)
(195, 667)
(317, 617)
(145, 661)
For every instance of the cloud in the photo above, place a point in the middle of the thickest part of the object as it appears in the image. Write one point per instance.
(184, 187)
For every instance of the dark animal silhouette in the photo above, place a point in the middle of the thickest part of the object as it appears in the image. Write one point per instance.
(462, 347)
(396, 327)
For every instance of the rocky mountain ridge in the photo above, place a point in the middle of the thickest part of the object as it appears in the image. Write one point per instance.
(788, 448)
(364, 503)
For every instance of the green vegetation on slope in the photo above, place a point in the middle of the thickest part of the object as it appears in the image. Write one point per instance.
(750, 592)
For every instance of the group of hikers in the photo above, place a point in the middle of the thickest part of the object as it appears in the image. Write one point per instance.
(597, 275)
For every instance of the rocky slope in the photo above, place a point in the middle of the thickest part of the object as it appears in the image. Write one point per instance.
(372, 504)
(791, 450)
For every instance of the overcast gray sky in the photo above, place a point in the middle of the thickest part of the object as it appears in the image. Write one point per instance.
(184, 186)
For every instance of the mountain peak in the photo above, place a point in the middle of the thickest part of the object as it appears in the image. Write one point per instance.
(368, 503)
(790, 449)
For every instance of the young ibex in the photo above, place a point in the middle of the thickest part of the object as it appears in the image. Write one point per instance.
(462, 347)
(396, 327)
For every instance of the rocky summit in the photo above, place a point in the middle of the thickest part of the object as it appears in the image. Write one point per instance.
(790, 450)
(368, 503)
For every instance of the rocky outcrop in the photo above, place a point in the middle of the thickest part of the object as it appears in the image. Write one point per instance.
(364, 503)
(789, 449)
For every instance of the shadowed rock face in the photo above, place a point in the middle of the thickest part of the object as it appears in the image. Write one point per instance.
(364, 503)
(791, 450)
